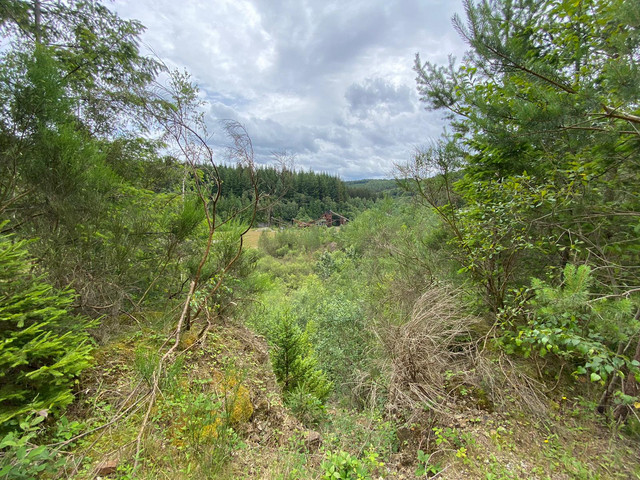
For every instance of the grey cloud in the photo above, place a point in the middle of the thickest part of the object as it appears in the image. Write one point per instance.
(379, 95)
(220, 111)
(268, 135)
(328, 80)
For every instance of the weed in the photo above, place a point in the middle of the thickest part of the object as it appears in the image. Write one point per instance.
(361, 431)
(145, 363)
(343, 466)
(452, 437)
(21, 459)
(425, 467)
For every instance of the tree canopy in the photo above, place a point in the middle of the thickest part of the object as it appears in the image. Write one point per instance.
(545, 116)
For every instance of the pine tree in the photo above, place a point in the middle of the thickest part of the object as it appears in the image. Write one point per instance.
(294, 362)
(544, 109)
(43, 348)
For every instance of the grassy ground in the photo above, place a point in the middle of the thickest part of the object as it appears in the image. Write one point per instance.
(219, 401)
(253, 236)
(221, 416)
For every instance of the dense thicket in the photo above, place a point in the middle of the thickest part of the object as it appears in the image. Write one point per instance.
(91, 192)
(544, 112)
(74, 169)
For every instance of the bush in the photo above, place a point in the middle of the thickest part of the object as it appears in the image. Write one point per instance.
(295, 240)
(306, 407)
(22, 459)
(343, 466)
(573, 324)
(339, 332)
(294, 362)
(43, 348)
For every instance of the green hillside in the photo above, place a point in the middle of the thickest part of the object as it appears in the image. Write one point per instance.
(161, 317)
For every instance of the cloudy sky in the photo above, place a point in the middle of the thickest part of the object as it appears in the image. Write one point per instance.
(330, 82)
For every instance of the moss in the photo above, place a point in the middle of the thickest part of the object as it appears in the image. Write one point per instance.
(188, 338)
(229, 405)
(236, 397)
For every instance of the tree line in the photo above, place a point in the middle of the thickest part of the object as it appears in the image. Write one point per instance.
(293, 194)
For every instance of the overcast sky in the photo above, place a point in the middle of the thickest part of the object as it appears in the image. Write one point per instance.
(330, 82)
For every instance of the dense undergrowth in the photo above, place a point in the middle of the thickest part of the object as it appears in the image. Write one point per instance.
(485, 325)
(353, 360)
(363, 354)
(399, 333)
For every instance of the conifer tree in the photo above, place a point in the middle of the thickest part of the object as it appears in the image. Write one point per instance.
(43, 347)
(544, 108)
(545, 114)
(294, 362)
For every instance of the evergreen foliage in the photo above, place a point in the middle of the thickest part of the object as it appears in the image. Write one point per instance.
(291, 195)
(97, 53)
(379, 186)
(294, 362)
(43, 347)
(73, 171)
(544, 109)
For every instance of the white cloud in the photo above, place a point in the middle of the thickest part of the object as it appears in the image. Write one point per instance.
(329, 81)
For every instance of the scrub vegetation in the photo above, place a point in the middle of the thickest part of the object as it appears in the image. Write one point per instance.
(171, 311)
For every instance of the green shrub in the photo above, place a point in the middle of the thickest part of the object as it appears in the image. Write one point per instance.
(295, 240)
(294, 362)
(24, 457)
(338, 332)
(43, 348)
(344, 466)
(306, 407)
(23, 460)
(583, 329)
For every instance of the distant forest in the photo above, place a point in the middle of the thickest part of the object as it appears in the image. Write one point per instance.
(377, 185)
(298, 195)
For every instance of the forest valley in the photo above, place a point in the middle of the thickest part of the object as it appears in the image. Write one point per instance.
(476, 317)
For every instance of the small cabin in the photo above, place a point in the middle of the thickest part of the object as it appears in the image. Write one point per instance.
(332, 218)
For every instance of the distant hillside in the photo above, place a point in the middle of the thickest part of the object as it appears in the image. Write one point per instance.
(378, 186)
(294, 195)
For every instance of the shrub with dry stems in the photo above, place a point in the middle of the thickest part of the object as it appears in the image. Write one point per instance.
(506, 380)
(440, 351)
(426, 349)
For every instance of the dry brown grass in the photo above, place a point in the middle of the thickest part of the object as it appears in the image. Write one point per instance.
(438, 362)
(434, 341)
(506, 382)
(252, 237)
